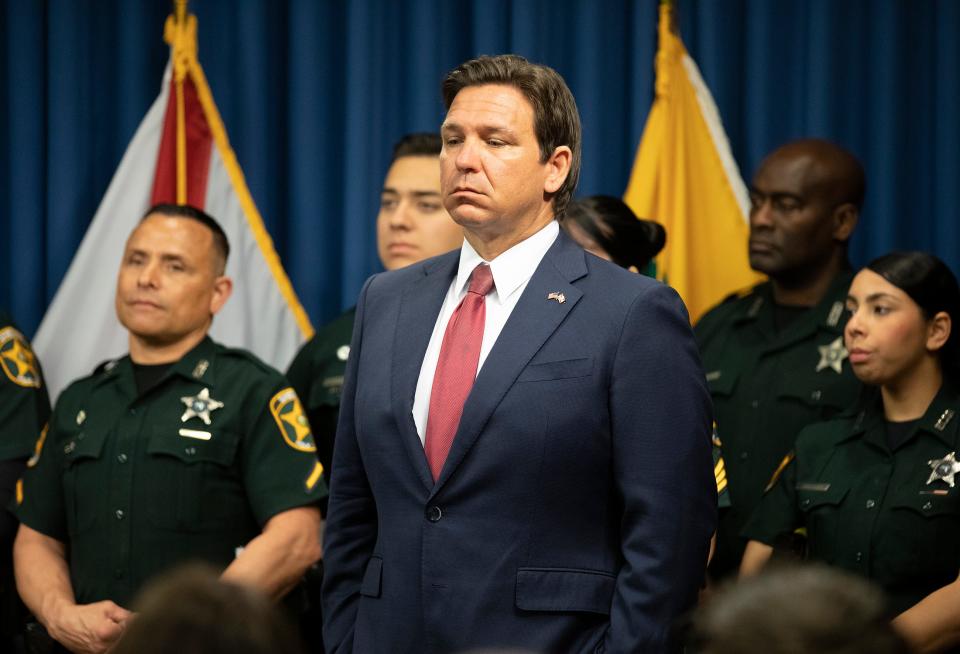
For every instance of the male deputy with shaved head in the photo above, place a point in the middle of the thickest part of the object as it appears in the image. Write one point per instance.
(774, 354)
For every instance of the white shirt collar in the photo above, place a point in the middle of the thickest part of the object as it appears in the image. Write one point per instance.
(513, 267)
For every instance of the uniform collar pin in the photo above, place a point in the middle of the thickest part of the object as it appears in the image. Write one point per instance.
(833, 319)
(944, 420)
(200, 368)
(558, 296)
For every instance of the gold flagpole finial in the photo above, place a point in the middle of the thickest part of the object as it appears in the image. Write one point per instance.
(180, 10)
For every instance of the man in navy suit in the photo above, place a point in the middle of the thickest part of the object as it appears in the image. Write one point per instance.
(523, 454)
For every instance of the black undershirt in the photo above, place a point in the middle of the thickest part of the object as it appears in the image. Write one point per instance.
(899, 432)
(784, 316)
(147, 376)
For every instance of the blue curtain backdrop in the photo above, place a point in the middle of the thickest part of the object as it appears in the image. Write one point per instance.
(313, 94)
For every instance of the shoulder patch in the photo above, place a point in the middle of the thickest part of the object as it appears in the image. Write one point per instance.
(17, 359)
(294, 426)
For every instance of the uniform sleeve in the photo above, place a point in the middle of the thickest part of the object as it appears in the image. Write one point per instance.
(39, 501)
(280, 466)
(777, 514)
(24, 404)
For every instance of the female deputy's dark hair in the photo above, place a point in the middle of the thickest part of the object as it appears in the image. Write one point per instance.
(628, 240)
(929, 282)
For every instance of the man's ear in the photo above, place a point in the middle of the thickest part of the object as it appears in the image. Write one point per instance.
(222, 288)
(558, 167)
(844, 221)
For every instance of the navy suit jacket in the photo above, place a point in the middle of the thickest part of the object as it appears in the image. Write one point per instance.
(575, 508)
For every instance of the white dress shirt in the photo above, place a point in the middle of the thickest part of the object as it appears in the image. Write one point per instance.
(511, 272)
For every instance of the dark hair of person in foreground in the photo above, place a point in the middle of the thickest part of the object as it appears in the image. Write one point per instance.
(808, 609)
(190, 611)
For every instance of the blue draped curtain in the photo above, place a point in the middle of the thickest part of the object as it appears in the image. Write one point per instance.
(314, 92)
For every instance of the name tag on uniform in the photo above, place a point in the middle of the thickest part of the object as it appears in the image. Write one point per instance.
(822, 487)
(194, 433)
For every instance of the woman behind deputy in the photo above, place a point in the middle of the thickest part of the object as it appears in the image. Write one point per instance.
(875, 489)
(605, 226)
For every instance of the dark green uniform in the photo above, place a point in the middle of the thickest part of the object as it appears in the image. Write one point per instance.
(892, 516)
(767, 384)
(192, 468)
(24, 410)
(317, 375)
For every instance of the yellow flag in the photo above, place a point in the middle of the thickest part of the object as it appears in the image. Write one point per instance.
(685, 178)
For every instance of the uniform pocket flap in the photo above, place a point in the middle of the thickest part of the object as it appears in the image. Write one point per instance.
(563, 589)
(834, 396)
(370, 586)
(814, 494)
(564, 369)
(722, 382)
(194, 445)
(84, 445)
(932, 501)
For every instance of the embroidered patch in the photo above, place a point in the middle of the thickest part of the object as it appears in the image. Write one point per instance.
(17, 359)
(38, 447)
(288, 412)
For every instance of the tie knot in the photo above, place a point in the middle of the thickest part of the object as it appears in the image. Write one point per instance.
(481, 280)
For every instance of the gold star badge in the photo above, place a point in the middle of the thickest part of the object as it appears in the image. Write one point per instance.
(200, 405)
(832, 356)
(944, 469)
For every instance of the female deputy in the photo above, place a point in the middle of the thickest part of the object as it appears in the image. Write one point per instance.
(605, 226)
(878, 491)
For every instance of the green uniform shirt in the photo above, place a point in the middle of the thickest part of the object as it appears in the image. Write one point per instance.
(766, 386)
(191, 469)
(891, 516)
(317, 375)
(24, 404)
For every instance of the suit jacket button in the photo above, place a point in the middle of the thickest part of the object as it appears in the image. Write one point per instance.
(434, 514)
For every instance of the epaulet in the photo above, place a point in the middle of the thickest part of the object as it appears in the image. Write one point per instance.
(106, 366)
(247, 356)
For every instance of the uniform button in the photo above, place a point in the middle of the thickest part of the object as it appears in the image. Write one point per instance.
(133, 412)
(871, 504)
(815, 395)
(118, 573)
(434, 514)
(744, 456)
(859, 557)
(805, 503)
(927, 505)
(190, 451)
(755, 404)
(122, 458)
(119, 514)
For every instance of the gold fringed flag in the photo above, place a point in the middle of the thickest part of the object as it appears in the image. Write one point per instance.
(685, 178)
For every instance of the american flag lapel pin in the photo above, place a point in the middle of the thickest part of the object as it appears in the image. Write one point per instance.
(558, 296)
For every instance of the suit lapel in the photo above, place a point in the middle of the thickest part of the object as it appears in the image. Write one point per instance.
(419, 308)
(532, 322)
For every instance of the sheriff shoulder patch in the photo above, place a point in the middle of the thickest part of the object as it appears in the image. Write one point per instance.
(17, 359)
(287, 411)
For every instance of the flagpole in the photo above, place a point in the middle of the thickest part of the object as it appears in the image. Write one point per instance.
(181, 65)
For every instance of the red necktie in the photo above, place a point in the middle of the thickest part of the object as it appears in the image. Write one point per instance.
(456, 368)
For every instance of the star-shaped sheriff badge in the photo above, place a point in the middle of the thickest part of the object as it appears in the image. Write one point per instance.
(200, 405)
(944, 469)
(832, 356)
